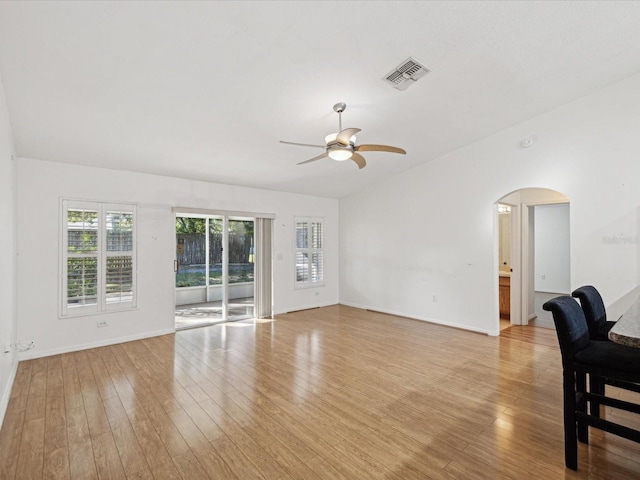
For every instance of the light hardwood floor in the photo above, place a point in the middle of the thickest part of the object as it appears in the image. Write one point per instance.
(330, 393)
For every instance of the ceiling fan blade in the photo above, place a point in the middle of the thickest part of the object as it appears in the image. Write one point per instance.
(359, 159)
(344, 136)
(303, 144)
(379, 148)
(325, 154)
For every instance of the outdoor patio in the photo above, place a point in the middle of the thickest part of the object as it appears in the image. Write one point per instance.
(208, 313)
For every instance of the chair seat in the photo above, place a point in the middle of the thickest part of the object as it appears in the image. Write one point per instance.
(603, 356)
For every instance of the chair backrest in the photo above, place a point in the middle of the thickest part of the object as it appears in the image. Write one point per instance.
(571, 326)
(593, 308)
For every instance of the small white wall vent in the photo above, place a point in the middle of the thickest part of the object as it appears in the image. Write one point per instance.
(406, 74)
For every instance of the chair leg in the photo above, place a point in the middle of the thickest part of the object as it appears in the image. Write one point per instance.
(570, 436)
(582, 406)
(596, 385)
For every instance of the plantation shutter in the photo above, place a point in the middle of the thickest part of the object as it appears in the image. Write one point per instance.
(82, 247)
(309, 256)
(119, 256)
(98, 257)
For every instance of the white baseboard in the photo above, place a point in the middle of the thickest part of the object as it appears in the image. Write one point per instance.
(4, 401)
(493, 333)
(302, 307)
(102, 343)
(552, 293)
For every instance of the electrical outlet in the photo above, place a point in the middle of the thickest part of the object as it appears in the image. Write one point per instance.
(543, 276)
(435, 298)
(102, 323)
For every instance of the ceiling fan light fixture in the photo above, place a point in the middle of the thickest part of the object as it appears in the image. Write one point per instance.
(340, 154)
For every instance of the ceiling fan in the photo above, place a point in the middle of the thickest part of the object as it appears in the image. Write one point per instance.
(342, 145)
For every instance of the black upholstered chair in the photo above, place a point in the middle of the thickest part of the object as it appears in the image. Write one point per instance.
(582, 356)
(596, 316)
(594, 312)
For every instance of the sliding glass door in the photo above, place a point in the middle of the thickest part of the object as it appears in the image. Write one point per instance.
(240, 278)
(214, 269)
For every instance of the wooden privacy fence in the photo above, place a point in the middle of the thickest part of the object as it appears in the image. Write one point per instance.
(192, 251)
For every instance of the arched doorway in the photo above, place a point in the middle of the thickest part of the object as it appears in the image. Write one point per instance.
(519, 264)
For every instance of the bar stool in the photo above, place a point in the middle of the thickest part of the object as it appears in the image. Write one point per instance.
(596, 316)
(582, 356)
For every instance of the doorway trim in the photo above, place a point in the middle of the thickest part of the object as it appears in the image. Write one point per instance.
(522, 202)
(263, 253)
(221, 213)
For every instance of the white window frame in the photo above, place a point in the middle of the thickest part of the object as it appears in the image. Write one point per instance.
(309, 283)
(102, 305)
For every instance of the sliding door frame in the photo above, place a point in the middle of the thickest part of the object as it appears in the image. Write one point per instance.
(262, 287)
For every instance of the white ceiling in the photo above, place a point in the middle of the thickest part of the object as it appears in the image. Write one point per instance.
(205, 90)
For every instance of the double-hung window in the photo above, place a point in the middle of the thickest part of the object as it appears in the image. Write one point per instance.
(309, 251)
(98, 260)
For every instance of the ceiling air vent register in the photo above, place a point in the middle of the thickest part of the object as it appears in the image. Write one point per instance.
(406, 74)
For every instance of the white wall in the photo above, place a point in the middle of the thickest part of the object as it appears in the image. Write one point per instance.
(8, 361)
(430, 231)
(40, 185)
(552, 248)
